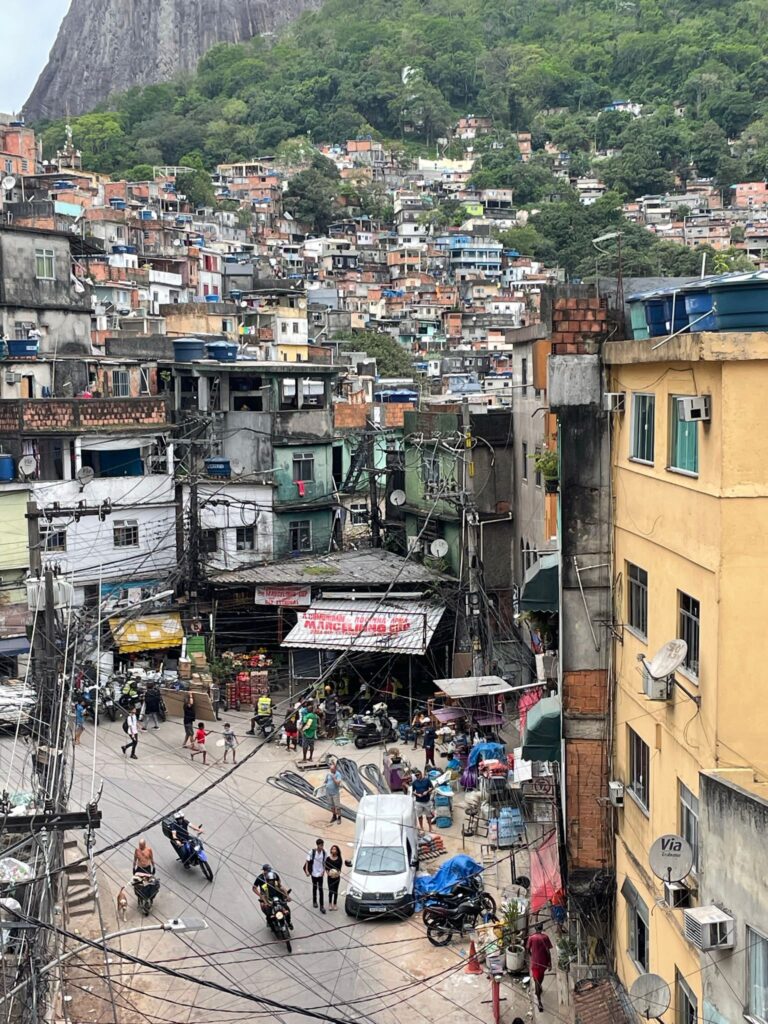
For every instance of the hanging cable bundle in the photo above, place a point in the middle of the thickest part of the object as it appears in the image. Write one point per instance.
(373, 774)
(296, 785)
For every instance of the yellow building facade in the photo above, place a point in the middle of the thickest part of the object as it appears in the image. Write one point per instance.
(690, 503)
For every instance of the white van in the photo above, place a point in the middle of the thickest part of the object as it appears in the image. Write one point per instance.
(386, 856)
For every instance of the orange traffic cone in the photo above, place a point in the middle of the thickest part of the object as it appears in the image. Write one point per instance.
(473, 967)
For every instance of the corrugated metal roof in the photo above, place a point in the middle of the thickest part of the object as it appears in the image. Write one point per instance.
(339, 568)
(472, 686)
(392, 627)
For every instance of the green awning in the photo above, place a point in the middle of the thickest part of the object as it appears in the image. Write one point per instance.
(541, 587)
(543, 728)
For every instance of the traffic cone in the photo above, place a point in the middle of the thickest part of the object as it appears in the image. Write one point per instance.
(473, 967)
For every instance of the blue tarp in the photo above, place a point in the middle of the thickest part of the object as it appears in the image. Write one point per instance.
(457, 869)
(487, 752)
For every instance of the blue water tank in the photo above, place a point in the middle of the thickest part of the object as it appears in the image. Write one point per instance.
(224, 351)
(187, 349)
(26, 348)
(218, 467)
(7, 467)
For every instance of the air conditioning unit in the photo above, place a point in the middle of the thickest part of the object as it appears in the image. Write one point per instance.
(709, 928)
(614, 401)
(677, 895)
(656, 689)
(699, 407)
(415, 546)
(616, 792)
(13, 378)
(113, 238)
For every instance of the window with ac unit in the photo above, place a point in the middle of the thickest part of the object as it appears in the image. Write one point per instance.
(638, 932)
(685, 1001)
(757, 976)
(683, 441)
(125, 533)
(690, 629)
(643, 428)
(637, 600)
(303, 467)
(689, 822)
(121, 384)
(639, 770)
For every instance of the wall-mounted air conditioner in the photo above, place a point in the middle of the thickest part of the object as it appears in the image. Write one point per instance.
(677, 895)
(614, 401)
(616, 792)
(709, 928)
(656, 689)
(698, 407)
(11, 377)
(415, 546)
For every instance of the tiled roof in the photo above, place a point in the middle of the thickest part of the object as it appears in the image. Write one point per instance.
(598, 1002)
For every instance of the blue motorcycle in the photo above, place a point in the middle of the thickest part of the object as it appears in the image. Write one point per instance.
(192, 854)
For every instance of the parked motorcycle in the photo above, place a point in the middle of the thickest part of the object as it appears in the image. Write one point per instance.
(107, 705)
(278, 919)
(374, 727)
(462, 891)
(146, 888)
(445, 920)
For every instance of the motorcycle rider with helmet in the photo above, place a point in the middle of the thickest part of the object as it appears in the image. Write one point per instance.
(263, 711)
(267, 887)
(180, 833)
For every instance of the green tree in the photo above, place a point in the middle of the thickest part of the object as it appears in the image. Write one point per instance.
(392, 360)
(310, 198)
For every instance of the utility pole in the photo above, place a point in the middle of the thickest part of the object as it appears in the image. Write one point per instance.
(195, 575)
(475, 602)
(374, 493)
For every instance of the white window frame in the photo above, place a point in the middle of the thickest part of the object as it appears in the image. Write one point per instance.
(358, 513)
(145, 380)
(639, 781)
(297, 525)
(633, 437)
(53, 539)
(754, 938)
(125, 533)
(684, 994)
(637, 912)
(692, 666)
(121, 383)
(674, 426)
(245, 538)
(688, 807)
(301, 462)
(45, 258)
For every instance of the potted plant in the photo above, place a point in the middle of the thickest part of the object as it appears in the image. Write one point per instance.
(547, 462)
(511, 938)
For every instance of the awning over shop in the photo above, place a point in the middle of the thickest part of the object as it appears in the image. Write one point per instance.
(393, 627)
(13, 645)
(149, 633)
(543, 728)
(464, 687)
(541, 587)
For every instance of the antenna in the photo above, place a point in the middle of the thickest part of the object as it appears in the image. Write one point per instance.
(27, 467)
(438, 548)
(671, 858)
(237, 467)
(668, 660)
(85, 474)
(397, 498)
(650, 996)
(8, 183)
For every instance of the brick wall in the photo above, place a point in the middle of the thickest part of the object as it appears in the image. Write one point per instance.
(586, 804)
(71, 416)
(349, 416)
(576, 322)
(585, 692)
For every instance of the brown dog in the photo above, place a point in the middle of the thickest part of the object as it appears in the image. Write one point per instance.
(122, 905)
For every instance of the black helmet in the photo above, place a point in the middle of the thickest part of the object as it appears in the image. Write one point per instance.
(266, 867)
(271, 876)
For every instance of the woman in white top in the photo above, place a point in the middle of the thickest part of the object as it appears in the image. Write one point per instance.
(131, 729)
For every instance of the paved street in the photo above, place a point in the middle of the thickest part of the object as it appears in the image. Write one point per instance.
(382, 971)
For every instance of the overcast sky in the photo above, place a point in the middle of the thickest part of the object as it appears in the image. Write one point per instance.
(27, 31)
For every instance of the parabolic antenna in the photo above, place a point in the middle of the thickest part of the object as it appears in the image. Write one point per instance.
(85, 474)
(8, 183)
(397, 498)
(27, 466)
(650, 996)
(668, 659)
(438, 548)
(671, 858)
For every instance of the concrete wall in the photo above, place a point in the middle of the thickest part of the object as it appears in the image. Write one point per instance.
(247, 439)
(319, 488)
(734, 833)
(237, 505)
(321, 521)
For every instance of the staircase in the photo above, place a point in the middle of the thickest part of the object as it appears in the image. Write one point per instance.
(79, 898)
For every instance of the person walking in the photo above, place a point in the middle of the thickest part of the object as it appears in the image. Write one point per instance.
(79, 721)
(131, 729)
(189, 721)
(333, 864)
(291, 726)
(200, 737)
(309, 734)
(333, 790)
(428, 738)
(421, 790)
(151, 708)
(230, 743)
(143, 858)
(538, 946)
(314, 868)
(331, 713)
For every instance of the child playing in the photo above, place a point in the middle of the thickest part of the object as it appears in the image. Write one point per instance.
(230, 743)
(200, 735)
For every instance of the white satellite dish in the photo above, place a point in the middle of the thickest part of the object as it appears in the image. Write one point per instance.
(397, 498)
(438, 548)
(85, 474)
(668, 660)
(671, 858)
(8, 183)
(237, 467)
(27, 466)
(650, 996)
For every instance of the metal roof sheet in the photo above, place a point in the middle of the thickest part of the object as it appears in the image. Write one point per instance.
(339, 568)
(391, 626)
(472, 686)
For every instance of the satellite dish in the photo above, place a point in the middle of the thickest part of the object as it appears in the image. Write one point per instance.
(650, 996)
(8, 182)
(668, 660)
(27, 466)
(671, 858)
(438, 548)
(237, 467)
(85, 474)
(397, 498)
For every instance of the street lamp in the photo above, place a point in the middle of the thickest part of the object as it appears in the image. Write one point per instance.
(177, 925)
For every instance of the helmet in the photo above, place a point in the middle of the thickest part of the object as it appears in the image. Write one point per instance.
(178, 815)
(271, 876)
(266, 867)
